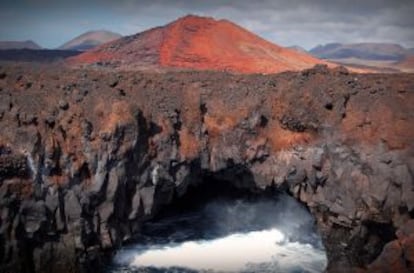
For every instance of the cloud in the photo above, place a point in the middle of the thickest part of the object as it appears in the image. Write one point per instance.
(305, 23)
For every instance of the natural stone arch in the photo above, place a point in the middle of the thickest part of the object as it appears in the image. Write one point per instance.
(92, 159)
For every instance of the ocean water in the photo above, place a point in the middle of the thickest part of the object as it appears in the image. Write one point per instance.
(239, 236)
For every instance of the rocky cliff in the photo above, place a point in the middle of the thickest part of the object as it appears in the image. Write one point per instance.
(86, 156)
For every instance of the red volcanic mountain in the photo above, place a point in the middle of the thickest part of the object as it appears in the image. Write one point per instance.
(406, 65)
(194, 42)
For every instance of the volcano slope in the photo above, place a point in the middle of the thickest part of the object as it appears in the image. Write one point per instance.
(202, 43)
(86, 156)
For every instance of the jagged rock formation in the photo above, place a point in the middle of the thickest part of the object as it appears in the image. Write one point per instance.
(194, 42)
(86, 156)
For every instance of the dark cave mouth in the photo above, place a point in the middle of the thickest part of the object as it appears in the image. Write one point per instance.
(255, 230)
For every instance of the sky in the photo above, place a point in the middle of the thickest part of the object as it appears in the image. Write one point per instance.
(306, 23)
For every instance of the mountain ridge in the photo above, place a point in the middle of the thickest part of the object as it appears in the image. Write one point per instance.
(28, 44)
(367, 51)
(89, 40)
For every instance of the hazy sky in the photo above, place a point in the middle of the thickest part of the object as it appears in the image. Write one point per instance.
(50, 23)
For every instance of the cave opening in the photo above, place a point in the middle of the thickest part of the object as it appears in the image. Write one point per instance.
(223, 223)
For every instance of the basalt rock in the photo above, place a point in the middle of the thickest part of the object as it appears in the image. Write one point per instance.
(77, 184)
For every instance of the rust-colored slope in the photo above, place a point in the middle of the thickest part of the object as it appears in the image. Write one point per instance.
(141, 49)
(195, 42)
(406, 65)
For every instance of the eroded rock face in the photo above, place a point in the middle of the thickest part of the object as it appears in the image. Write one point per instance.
(86, 156)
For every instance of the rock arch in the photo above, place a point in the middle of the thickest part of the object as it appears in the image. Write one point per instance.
(96, 160)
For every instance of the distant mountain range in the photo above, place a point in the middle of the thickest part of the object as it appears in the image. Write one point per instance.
(386, 57)
(298, 48)
(18, 45)
(194, 42)
(90, 40)
(83, 42)
(365, 51)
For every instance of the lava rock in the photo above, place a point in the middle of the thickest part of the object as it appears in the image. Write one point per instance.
(64, 105)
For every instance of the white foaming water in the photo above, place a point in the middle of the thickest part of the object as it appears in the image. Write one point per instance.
(31, 165)
(256, 251)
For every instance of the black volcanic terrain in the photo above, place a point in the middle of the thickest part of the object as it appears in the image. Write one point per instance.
(36, 55)
(87, 156)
